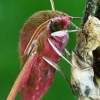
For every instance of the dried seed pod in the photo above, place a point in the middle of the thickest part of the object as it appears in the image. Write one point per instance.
(83, 80)
(84, 83)
(88, 39)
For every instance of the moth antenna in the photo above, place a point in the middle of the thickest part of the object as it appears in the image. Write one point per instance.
(52, 5)
(54, 65)
(90, 6)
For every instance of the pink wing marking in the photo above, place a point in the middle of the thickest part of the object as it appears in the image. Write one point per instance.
(22, 77)
(36, 33)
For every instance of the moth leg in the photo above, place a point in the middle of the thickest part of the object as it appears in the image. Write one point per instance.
(78, 18)
(70, 31)
(67, 52)
(53, 64)
(74, 26)
(61, 55)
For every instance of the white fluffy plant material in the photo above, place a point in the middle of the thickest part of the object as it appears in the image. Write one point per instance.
(84, 82)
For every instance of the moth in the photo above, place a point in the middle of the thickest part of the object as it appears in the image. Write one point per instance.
(38, 33)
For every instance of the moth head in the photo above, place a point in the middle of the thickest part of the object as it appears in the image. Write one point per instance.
(59, 23)
(57, 28)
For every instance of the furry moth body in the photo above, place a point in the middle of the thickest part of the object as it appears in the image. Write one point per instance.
(36, 75)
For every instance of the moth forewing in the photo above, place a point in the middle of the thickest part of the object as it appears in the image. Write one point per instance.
(37, 32)
(22, 77)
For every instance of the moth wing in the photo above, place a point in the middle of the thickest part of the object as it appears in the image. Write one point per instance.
(22, 77)
(34, 36)
(25, 71)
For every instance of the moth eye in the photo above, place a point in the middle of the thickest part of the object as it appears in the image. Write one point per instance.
(55, 26)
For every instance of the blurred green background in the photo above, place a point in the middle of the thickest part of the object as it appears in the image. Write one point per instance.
(13, 14)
